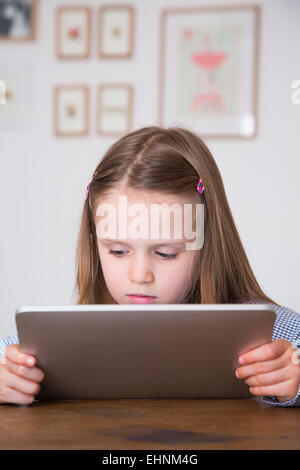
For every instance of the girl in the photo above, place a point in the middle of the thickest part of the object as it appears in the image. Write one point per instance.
(153, 164)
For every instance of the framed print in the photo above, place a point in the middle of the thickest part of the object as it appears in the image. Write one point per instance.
(73, 32)
(18, 20)
(114, 109)
(16, 95)
(209, 70)
(71, 110)
(115, 31)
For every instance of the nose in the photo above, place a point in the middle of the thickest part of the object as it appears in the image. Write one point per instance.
(140, 271)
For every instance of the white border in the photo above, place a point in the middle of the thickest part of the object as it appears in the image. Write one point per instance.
(129, 307)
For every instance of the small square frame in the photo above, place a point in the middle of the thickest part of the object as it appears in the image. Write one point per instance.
(33, 24)
(62, 129)
(106, 14)
(100, 112)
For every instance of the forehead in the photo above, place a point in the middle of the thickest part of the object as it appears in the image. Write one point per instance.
(147, 198)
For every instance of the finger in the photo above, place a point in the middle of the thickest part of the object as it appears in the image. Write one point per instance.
(14, 396)
(266, 351)
(277, 390)
(21, 385)
(30, 373)
(261, 367)
(274, 377)
(13, 354)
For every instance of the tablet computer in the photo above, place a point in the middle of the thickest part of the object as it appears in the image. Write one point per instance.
(142, 351)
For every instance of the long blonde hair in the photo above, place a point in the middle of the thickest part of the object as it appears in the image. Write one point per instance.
(170, 161)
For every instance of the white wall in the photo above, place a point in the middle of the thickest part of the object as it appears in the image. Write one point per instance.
(43, 179)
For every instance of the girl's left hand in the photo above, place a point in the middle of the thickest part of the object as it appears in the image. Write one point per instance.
(272, 370)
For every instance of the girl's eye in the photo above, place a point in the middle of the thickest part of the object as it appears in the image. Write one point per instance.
(163, 255)
(114, 252)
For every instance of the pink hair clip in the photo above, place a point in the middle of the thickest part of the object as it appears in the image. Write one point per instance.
(88, 188)
(200, 187)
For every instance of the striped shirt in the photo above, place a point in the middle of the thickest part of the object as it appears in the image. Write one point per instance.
(286, 326)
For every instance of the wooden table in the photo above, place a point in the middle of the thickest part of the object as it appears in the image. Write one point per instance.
(149, 424)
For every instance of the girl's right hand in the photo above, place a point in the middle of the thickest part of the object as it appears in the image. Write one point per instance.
(19, 380)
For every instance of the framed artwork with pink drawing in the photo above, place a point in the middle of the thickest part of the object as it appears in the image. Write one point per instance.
(209, 70)
(73, 32)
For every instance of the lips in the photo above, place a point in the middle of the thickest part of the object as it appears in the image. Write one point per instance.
(141, 299)
(141, 295)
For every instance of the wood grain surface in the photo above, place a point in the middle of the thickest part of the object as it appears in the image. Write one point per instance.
(149, 424)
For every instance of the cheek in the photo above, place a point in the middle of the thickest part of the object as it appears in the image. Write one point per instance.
(112, 269)
(113, 275)
(186, 270)
(177, 273)
(174, 282)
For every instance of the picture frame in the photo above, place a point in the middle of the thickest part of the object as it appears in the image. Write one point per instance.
(73, 32)
(116, 31)
(17, 97)
(208, 71)
(71, 110)
(114, 107)
(18, 20)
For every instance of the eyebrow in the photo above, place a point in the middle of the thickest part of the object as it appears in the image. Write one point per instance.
(124, 242)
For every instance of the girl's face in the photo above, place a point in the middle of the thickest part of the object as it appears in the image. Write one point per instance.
(143, 264)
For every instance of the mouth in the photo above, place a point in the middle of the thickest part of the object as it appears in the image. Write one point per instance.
(141, 298)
